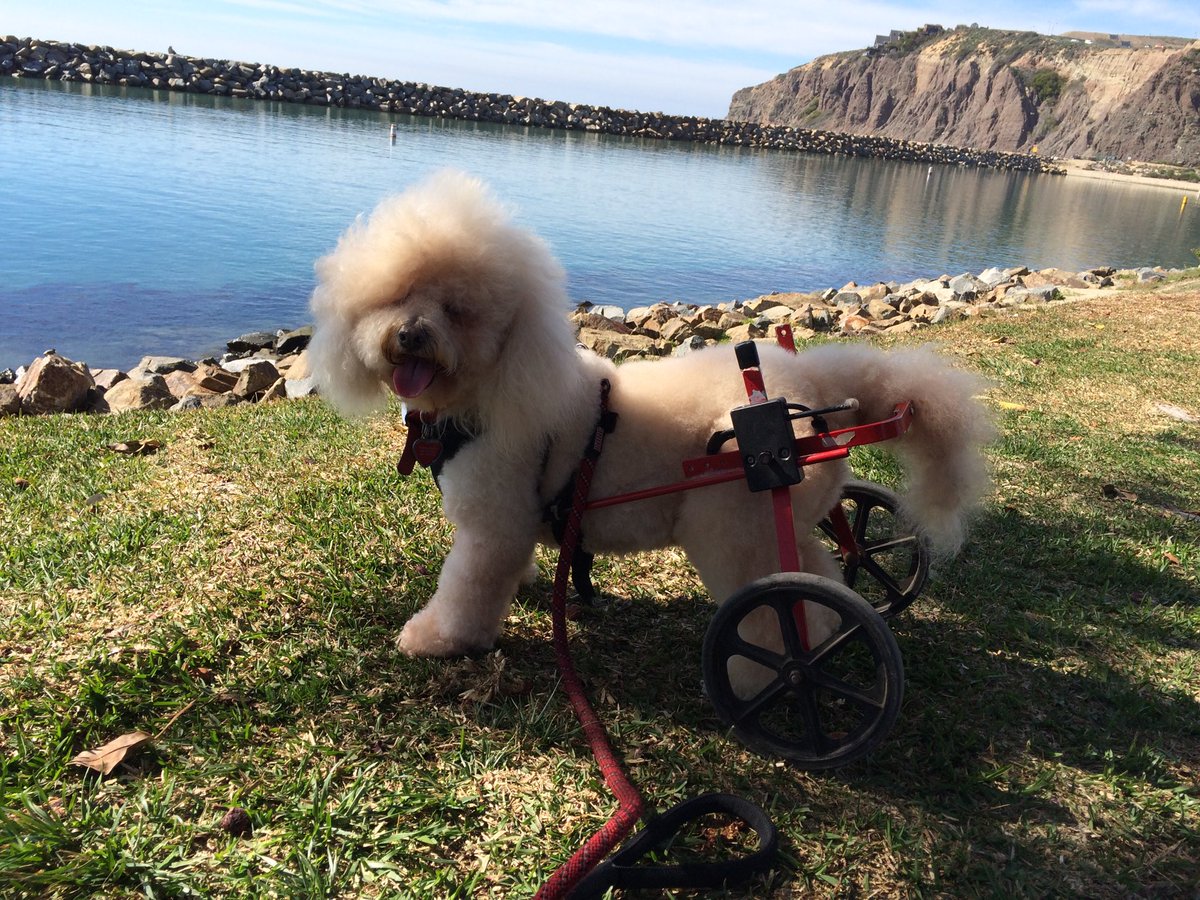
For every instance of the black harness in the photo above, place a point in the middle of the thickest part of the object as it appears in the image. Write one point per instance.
(433, 441)
(438, 441)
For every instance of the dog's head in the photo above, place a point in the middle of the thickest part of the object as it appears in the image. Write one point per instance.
(439, 298)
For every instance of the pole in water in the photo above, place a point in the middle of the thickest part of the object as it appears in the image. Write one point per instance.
(392, 133)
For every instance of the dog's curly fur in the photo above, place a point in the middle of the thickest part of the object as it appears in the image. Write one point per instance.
(439, 297)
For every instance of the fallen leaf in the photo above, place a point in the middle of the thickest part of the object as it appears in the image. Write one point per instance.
(1172, 558)
(105, 759)
(20, 483)
(135, 448)
(1005, 404)
(1112, 492)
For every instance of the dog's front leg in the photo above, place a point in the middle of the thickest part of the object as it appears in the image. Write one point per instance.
(474, 592)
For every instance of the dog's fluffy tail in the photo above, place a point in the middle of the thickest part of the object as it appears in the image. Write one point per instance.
(941, 453)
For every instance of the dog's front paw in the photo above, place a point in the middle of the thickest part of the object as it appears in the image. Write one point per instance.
(424, 635)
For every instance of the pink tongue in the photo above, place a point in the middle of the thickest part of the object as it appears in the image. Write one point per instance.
(412, 376)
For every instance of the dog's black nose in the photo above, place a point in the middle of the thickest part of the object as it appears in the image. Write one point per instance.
(411, 338)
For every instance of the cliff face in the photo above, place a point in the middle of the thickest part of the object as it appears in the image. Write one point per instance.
(998, 90)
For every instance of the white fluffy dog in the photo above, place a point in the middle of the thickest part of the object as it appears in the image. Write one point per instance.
(439, 298)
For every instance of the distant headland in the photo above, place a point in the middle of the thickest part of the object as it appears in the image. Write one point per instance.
(59, 61)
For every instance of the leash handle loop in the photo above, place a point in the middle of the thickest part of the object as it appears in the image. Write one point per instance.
(622, 870)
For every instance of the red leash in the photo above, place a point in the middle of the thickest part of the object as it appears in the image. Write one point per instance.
(594, 868)
(600, 844)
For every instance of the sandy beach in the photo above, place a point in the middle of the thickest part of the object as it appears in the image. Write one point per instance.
(1081, 168)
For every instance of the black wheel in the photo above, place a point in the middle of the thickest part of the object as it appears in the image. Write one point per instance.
(892, 562)
(821, 706)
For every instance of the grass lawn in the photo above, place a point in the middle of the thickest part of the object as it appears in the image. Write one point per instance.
(235, 596)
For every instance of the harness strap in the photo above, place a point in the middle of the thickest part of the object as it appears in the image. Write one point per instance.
(558, 511)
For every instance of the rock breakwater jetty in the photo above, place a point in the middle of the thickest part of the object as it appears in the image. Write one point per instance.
(88, 64)
(267, 366)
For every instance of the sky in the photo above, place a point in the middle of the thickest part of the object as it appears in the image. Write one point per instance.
(682, 57)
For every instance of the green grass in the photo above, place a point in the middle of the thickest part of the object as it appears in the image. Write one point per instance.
(237, 593)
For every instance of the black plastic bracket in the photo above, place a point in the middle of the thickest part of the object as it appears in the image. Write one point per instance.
(766, 442)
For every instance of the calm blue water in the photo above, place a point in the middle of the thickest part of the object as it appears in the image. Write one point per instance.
(138, 221)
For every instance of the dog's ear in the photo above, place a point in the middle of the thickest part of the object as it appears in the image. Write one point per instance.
(341, 376)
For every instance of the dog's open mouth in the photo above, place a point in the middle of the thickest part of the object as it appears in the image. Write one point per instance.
(413, 375)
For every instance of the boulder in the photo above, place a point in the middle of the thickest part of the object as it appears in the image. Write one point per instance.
(616, 346)
(254, 340)
(856, 324)
(1054, 277)
(689, 345)
(10, 399)
(256, 378)
(1043, 294)
(237, 365)
(945, 314)
(675, 330)
(164, 365)
(760, 304)
(746, 332)
(968, 286)
(878, 308)
(876, 291)
(294, 341)
(220, 401)
(179, 382)
(993, 276)
(778, 314)
(729, 319)
(55, 384)
(149, 392)
(277, 391)
(214, 379)
(639, 314)
(597, 322)
(106, 378)
(902, 327)
(609, 312)
(295, 366)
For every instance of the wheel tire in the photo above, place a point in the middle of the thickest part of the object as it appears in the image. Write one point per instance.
(821, 707)
(893, 560)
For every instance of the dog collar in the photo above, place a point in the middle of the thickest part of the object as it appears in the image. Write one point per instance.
(432, 441)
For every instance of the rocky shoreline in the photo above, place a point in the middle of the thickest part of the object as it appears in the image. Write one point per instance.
(59, 61)
(266, 366)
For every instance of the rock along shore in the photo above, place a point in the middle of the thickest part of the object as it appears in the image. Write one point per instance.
(267, 366)
(57, 61)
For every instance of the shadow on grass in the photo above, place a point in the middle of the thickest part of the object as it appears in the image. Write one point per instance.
(1034, 707)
